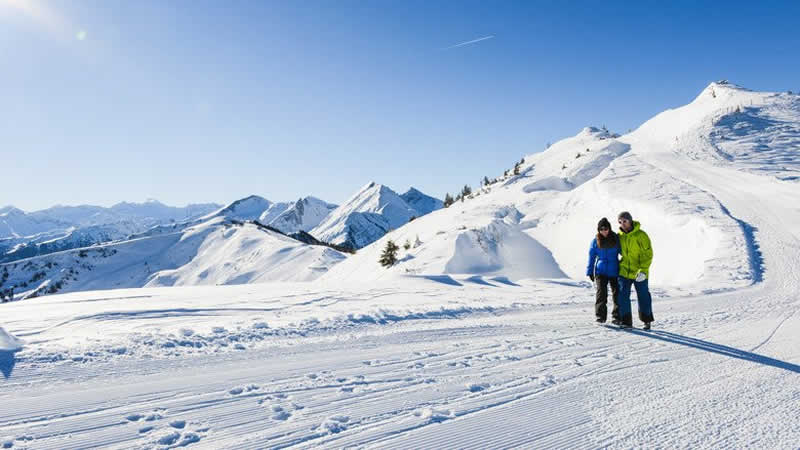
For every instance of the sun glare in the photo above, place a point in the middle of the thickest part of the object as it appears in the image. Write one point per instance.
(38, 12)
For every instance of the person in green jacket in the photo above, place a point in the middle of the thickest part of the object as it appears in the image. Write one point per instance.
(634, 269)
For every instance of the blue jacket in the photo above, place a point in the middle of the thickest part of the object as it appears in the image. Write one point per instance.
(603, 261)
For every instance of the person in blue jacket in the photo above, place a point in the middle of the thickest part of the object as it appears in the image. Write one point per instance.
(603, 269)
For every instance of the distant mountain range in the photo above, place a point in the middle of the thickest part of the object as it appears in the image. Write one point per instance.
(134, 245)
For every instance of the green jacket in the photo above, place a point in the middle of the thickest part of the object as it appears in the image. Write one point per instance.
(637, 253)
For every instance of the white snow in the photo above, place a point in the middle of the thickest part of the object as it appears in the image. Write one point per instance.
(481, 336)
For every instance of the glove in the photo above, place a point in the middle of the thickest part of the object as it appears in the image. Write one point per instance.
(591, 277)
(640, 277)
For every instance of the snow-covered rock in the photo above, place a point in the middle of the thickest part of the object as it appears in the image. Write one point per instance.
(303, 215)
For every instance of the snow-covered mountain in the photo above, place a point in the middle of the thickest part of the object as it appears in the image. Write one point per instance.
(274, 210)
(16, 223)
(65, 227)
(303, 215)
(248, 208)
(369, 214)
(539, 223)
(12, 249)
(215, 251)
(421, 203)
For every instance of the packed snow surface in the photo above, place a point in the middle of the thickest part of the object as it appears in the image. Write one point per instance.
(482, 335)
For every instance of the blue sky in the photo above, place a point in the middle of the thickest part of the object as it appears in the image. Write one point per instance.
(195, 101)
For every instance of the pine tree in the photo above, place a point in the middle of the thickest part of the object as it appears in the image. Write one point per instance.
(466, 191)
(407, 245)
(516, 169)
(448, 200)
(485, 181)
(389, 255)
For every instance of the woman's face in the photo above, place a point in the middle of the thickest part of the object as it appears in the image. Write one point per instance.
(604, 231)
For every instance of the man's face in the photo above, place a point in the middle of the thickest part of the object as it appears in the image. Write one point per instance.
(625, 224)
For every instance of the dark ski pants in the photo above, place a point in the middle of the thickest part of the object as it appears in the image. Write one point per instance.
(642, 297)
(601, 283)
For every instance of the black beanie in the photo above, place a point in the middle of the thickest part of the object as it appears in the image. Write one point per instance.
(603, 223)
(625, 215)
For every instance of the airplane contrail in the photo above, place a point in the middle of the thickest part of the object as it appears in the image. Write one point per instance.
(469, 42)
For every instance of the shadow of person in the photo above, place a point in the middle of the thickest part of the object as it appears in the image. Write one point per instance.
(719, 349)
(7, 361)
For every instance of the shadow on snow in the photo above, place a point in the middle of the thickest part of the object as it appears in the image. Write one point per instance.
(716, 348)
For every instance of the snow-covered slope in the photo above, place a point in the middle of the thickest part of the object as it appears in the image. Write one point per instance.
(303, 215)
(366, 216)
(540, 223)
(730, 126)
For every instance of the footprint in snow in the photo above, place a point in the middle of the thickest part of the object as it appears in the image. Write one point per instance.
(178, 439)
(334, 424)
(432, 415)
(278, 413)
(477, 387)
(247, 388)
(180, 424)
